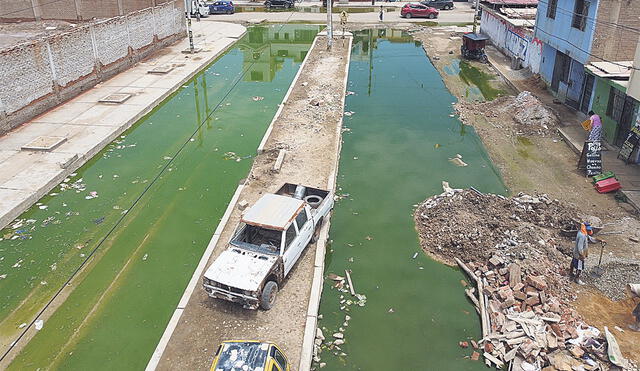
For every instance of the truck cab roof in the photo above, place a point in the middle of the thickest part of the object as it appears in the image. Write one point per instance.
(273, 211)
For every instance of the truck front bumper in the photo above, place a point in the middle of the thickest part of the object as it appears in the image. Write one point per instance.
(247, 301)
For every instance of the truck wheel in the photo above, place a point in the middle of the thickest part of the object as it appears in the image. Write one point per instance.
(268, 297)
(316, 232)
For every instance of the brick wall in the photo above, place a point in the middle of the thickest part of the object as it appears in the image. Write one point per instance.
(41, 74)
(615, 43)
(14, 10)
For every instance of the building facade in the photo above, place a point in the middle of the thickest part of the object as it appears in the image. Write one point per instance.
(566, 29)
(578, 32)
(513, 37)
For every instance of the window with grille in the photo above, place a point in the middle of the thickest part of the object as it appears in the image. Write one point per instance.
(580, 14)
(551, 9)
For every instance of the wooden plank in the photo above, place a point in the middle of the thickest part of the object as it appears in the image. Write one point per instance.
(467, 270)
(493, 359)
(351, 288)
(278, 164)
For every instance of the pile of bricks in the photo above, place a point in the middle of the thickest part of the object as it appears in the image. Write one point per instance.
(524, 323)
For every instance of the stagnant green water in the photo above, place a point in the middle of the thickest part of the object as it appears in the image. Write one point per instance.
(396, 154)
(123, 299)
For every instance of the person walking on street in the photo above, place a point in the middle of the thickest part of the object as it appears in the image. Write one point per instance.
(581, 251)
(595, 135)
(381, 13)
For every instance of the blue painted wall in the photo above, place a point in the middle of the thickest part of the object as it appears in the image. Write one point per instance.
(559, 34)
(547, 62)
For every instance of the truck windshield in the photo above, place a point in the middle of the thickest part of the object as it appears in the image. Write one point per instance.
(258, 239)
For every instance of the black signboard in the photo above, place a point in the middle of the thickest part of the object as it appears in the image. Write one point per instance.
(629, 144)
(591, 158)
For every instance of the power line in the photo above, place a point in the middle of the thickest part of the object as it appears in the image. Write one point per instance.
(135, 202)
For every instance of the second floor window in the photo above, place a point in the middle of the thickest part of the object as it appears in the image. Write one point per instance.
(551, 9)
(580, 14)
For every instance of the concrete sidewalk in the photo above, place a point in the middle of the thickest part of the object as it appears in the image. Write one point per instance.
(570, 130)
(87, 126)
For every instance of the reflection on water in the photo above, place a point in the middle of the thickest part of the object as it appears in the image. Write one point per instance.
(266, 48)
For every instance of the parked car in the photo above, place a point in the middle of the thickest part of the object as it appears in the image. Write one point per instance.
(438, 4)
(411, 10)
(249, 355)
(222, 7)
(267, 243)
(199, 7)
(279, 4)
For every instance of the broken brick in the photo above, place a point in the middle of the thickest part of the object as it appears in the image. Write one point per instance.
(532, 300)
(475, 356)
(537, 281)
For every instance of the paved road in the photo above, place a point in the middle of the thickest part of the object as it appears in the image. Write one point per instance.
(461, 14)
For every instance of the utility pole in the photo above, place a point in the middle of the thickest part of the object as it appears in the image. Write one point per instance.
(475, 17)
(329, 24)
(187, 7)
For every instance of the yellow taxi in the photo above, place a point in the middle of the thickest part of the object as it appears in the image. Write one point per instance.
(249, 355)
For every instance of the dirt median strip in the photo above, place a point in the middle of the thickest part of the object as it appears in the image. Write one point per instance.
(308, 128)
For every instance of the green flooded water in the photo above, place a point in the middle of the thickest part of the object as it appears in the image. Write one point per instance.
(395, 155)
(478, 82)
(123, 298)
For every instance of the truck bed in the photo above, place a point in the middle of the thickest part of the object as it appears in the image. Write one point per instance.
(289, 189)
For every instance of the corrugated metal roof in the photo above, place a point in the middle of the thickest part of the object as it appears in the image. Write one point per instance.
(512, 2)
(611, 70)
(273, 211)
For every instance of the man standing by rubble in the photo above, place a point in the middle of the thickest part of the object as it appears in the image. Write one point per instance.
(581, 251)
(635, 292)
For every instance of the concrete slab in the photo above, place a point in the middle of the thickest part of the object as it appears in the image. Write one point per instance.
(115, 98)
(66, 112)
(44, 143)
(89, 126)
(108, 115)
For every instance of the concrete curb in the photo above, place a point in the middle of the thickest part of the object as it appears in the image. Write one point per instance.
(306, 356)
(84, 158)
(263, 143)
(173, 322)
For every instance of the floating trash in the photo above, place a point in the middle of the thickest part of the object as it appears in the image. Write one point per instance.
(257, 98)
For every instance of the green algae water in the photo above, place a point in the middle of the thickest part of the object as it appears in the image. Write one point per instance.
(118, 305)
(402, 135)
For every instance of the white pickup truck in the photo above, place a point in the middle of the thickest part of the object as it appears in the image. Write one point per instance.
(270, 239)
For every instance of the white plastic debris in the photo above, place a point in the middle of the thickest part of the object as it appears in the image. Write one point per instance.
(39, 323)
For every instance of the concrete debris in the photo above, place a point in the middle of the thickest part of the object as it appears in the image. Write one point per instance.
(522, 296)
(532, 117)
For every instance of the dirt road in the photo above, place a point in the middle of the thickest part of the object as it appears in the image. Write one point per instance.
(310, 134)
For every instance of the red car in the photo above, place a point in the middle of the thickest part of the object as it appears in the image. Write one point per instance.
(418, 10)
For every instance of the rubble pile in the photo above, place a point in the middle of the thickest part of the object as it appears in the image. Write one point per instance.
(469, 224)
(525, 323)
(507, 246)
(529, 114)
